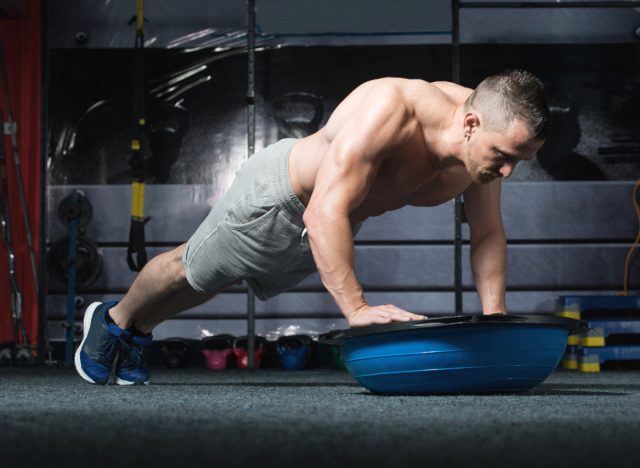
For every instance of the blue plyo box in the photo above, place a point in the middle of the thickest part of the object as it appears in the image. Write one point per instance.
(587, 352)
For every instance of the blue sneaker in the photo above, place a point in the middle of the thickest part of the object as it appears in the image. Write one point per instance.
(132, 366)
(100, 344)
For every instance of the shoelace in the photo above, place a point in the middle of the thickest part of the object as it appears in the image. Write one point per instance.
(135, 353)
(109, 346)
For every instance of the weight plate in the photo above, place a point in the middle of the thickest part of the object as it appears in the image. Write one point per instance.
(83, 211)
(88, 261)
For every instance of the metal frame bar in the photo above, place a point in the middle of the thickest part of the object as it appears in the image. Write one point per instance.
(71, 285)
(251, 141)
(455, 51)
(44, 345)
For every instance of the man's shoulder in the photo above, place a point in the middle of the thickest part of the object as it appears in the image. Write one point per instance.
(454, 91)
(412, 91)
(397, 86)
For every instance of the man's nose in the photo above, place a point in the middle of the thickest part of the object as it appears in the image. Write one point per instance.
(507, 169)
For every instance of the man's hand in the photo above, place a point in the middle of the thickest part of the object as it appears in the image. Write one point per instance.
(367, 315)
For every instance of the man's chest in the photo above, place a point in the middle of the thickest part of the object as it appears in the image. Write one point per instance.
(441, 187)
(399, 185)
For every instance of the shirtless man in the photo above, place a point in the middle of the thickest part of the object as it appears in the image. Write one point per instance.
(295, 206)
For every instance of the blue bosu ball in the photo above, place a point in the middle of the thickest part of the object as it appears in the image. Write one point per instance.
(459, 354)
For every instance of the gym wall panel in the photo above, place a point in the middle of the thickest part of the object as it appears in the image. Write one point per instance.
(211, 23)
(222, 23)
(569, 211)
(550, 25)
(289, 17)
(531, 211)
(430, 267)
(564, 236)
(529, 267)
(175, 211)
(187, 23)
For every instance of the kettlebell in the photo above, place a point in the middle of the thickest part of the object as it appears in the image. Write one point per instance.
(294, 351)
(216, 351)
(175, 353)
(242, 355)
(297, 114)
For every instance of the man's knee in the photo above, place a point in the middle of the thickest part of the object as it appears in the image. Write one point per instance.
(174, 266)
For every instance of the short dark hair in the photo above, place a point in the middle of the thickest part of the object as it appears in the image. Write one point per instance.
(513, 94)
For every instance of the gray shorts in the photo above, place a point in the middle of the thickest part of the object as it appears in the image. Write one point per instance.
(254, 232)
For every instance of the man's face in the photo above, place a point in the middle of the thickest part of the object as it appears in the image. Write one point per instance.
(491, 154)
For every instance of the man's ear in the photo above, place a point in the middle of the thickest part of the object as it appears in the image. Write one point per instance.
(471, 121)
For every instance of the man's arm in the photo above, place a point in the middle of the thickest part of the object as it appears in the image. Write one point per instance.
(342, 183)
(488, 244)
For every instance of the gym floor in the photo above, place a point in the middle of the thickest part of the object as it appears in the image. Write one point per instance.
(317, 417)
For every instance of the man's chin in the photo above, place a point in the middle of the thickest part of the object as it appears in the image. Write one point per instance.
(484, 178)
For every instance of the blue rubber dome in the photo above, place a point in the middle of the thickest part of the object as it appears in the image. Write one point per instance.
(460, 354)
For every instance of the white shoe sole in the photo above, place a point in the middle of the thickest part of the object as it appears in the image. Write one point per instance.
(126, 382)
(88, 316)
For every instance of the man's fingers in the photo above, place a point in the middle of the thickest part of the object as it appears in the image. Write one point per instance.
(400, 315)
(403, 316)
(409, 317)
(397, 312)
(383, 314)
(399, 318)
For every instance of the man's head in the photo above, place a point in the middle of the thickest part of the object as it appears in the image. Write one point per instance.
(505, 121)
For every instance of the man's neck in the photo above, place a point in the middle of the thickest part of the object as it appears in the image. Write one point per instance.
(449, 139)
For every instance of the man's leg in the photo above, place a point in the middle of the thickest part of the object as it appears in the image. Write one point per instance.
(160, 291)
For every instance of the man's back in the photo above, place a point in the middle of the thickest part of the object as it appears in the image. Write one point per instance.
(406, 115)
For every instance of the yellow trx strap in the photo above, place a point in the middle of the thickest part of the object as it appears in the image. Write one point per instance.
(136, 252)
